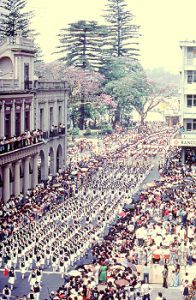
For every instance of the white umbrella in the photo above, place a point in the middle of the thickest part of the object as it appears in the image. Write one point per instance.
(74, 273)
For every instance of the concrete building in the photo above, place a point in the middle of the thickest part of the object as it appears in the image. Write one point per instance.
(187, 133)
(26, 106)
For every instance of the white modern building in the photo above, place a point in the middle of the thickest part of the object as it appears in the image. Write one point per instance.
(32, 121)
(187, 137)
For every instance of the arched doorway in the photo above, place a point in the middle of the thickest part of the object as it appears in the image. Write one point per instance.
(59, 158)
(51, 162)
(42, 176)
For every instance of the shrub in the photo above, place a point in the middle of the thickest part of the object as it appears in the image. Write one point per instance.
(75, 131)
(87, 132)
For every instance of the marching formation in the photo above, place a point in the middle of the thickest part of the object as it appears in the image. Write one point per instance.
(89, 209)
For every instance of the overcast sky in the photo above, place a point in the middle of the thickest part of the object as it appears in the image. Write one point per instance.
(163, 24)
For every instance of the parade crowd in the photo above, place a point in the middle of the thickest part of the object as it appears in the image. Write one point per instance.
(89, 211)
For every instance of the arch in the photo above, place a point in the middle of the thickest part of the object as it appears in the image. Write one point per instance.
(51, 162)
(6, 67)
(59, 157)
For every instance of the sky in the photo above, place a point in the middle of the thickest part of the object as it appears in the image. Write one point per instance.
(163, 24)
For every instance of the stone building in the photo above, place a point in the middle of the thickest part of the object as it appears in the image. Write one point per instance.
(26, 106)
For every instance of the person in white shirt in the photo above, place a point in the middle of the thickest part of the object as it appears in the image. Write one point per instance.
(145, 291)
(160, 296)
(6, 292)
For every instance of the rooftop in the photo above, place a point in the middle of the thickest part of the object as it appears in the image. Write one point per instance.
(188, 43)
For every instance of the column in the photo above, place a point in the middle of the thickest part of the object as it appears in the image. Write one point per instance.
(2, 120)
(22, 116)
(17, 178)
(26, 175)
(35, 170)
(6, 183)
(13, 118)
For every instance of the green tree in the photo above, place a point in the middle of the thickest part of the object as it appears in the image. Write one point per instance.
(13, 19)
(136, 91)
(121, 92)
(119, 67)
(81, 44)
(145, 95)
(123, 34)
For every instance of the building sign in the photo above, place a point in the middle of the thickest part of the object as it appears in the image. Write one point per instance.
(183, 142)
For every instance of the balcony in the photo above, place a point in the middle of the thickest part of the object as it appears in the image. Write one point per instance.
(19, 143)
(15, 43)
(8, 85)
(45, 86)
(56, 132)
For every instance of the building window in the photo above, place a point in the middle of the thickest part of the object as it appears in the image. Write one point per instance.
(188, 126)
(8, 125)
(17, 131)
(27, 120)
(51, 116)
(60, 114)
(191, 100)
(191, 52)
(191, 125)
(191, 76)
(41, 123)
(194, 124)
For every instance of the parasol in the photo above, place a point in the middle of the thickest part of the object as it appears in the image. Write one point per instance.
(56, 185)
(89, 267)
(122, 214)
(84, 169)
(74, 273)
(122, 282)
(74, 172)
(151, 184)
(117, 267)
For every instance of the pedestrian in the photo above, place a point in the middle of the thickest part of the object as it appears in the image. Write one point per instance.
(12, 277)
(31, 295)
(103, 274)
(6, 292)
(159, 297)
(177, 276)
(145, 291)
(165, 276)
(186, 293)
(36, 289)
(146, 272)
(22, 268)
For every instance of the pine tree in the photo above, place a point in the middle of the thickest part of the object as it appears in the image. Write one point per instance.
(13, 18)
(81, 44)
(123, 34)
